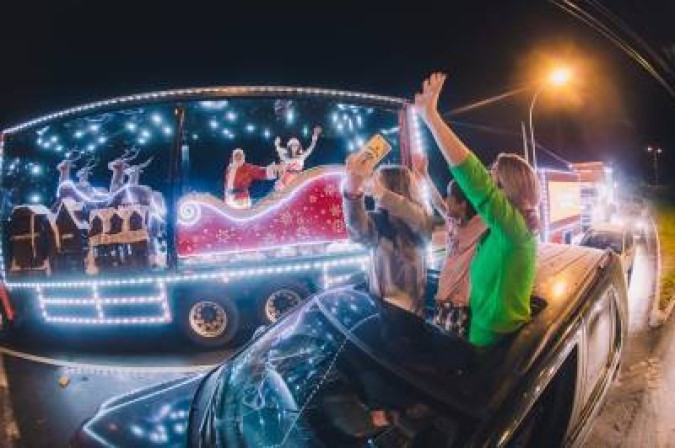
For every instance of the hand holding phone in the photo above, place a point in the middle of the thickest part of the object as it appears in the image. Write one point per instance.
(374, 151)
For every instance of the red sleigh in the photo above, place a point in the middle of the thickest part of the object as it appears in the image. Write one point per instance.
(304, 218)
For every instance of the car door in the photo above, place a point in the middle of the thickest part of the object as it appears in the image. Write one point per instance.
(601, 353)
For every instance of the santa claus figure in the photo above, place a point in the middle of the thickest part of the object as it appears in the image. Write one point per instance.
(239, 176)
(293, 158)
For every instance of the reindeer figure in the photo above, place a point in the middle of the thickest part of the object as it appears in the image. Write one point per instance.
(83, 174)
(118, 166)
(134, 172)
(66, 165)
(65, 188)
(83, 185)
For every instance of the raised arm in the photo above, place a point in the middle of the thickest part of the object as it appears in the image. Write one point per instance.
(490, 202)
(281, 151)
(315, 137)
(421, 169)
(360, 226)
(426, 104)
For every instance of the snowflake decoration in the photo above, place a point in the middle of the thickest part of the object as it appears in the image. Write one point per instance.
(335, 211)
(329, 190)
(223, 235)
(287, 218)
(338, 225)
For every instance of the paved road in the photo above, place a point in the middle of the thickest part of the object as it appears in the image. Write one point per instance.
(46, 391)
(640, 411)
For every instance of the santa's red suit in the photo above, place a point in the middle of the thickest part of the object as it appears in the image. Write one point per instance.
(238, 179)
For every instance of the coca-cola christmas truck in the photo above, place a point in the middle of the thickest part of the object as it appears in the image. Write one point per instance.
(188, 206)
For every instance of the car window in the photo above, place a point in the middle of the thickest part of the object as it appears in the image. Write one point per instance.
(305, 383)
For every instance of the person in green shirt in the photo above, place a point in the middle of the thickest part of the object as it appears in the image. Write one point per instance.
(506, 198)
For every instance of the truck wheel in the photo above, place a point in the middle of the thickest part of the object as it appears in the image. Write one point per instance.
(209, 319)
(277, 299)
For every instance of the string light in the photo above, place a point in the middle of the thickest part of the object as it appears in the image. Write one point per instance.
(216, 91)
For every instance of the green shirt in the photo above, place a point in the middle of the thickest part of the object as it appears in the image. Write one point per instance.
(503, 268)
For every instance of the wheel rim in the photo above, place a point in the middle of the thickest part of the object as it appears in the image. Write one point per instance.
(279, 302)
(208, 319)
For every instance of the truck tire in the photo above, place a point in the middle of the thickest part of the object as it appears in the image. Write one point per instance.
(209, 319)
(276, 299)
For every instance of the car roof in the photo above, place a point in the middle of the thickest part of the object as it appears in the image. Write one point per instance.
(564, 273)
(607, 228)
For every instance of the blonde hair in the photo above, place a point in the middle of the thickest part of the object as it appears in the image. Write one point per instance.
(520, 185)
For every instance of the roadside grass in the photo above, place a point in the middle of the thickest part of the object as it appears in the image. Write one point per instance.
(664, 216)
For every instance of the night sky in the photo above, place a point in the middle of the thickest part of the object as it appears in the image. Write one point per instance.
(61, 54)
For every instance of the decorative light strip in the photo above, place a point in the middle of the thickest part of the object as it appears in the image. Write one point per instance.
(114, 301)
(227, 274)
(97, 303)
(416, 134)
(545, 204)
(109, 321)
(245, 252)
(2, 158)
(235, 91)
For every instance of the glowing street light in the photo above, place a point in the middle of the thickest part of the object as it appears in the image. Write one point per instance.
(655, 152)
(560, 76)
(557, 78)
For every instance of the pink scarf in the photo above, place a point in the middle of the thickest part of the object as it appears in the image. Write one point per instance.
(453, 284)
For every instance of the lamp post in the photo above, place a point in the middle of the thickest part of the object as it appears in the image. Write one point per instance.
(557, 78)
(655, 152)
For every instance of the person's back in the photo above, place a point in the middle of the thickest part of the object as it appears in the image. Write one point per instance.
(397, 233)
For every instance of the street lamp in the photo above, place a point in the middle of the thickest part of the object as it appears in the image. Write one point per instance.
(558, 77)
(655, 152)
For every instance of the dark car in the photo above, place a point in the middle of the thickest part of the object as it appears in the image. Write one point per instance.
(336, 372)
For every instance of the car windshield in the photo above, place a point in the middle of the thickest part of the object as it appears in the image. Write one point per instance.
(313, 380)
(602, 240)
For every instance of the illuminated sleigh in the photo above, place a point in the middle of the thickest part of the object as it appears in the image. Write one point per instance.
(302, 219)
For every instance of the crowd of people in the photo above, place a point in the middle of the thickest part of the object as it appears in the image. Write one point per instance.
(490, 214)
(491, 217)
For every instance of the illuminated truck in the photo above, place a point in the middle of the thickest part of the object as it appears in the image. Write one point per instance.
(121, 212)
(561, 206)
(597, 192)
